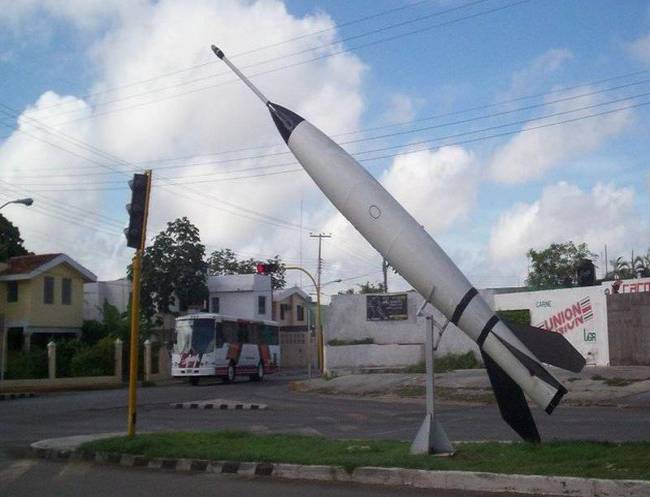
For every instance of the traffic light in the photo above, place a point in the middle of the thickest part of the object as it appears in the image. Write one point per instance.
(137, 210)
(263, 268)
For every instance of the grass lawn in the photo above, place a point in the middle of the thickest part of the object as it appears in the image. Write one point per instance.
(582, 459)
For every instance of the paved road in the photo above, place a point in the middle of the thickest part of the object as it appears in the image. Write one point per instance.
(72, 413)
(32, 478)
(54, 415)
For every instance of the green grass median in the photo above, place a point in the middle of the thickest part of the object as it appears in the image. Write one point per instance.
(581, 459)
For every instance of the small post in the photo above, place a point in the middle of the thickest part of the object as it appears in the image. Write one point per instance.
(51, 360)
(431, 437)
(118, 358)
(147, 360)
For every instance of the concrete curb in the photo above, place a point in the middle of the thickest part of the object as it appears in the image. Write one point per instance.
(417, 478)
(14, 396)
(219, 404)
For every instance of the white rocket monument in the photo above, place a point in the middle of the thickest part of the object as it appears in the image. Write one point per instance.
(507, 349)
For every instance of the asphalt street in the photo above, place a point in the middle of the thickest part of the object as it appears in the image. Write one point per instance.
(54, 415)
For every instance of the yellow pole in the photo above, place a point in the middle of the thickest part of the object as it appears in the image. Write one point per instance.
(319, 323)
(133, 356)
(135, 317)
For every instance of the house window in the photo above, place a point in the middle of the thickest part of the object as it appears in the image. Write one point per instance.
(48, 290)
(261, 304)
(12, 291)
(214, 305)
(300, 313)
(66, 291)
(284, 308)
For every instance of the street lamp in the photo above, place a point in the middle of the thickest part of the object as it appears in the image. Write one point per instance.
(3, 352)
(24, 201)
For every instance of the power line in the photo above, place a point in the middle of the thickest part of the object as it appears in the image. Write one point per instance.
(456, 135)
(321, 57)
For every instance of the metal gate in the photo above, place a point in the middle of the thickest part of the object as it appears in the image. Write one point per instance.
(293, 349)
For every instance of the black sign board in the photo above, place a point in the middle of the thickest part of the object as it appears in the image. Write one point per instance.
(386, 307)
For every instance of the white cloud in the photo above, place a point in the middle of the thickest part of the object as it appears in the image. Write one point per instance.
(537, 72)
(640, 49)
(563, 213)
(401, 108)
(528, 155)
(159, 38)
(438, 188)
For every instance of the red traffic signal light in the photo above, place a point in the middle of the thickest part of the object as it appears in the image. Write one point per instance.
(266, 268)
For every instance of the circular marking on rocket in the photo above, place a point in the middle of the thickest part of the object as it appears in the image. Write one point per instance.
(374, 211)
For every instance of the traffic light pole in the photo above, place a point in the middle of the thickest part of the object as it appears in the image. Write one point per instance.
(135, 313)
(133, 344)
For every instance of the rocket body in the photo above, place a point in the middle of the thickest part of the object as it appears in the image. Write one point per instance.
(405, 244)
(511, 365)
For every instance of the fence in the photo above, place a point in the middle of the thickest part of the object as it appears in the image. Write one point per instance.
(155, 367)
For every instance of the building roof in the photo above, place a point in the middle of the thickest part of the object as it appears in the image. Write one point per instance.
(239, 283)
(26, 267)
(288, 292)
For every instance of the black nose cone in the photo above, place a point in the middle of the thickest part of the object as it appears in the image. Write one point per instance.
(285, 120)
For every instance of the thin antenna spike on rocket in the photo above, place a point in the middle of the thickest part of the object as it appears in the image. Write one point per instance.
(219, 53)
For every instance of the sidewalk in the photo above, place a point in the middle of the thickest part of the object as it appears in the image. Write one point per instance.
(620, 386)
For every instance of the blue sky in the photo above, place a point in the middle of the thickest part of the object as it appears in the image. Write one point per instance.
(486, 202)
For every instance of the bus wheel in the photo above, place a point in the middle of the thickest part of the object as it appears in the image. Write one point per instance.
(194, 380)
(259, 375)
(230, 374)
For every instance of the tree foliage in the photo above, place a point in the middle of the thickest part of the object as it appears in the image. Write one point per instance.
(556, 266)
(174, 270)
(366, 287)
(11, 243)
(225, 261)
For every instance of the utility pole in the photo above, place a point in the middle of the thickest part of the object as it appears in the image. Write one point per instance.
(319, 269)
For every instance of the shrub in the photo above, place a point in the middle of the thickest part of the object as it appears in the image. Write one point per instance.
(520, 316)
(361, 341)
(66, 350)
(92, 332)
(27, 365)
(97, 360)
(451, 362)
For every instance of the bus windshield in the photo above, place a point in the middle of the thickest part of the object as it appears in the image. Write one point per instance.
(194, 334)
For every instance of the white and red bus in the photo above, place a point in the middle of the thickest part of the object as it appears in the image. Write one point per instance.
(208, 344)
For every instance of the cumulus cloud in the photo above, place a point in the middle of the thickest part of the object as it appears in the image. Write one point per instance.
(537, 72)
(437, 187)
(159, 38)
(529, 154)
(640, 49)
(565, 212)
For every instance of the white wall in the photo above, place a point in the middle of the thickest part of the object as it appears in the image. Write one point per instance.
(630, 286)
(580, 314)
(396, 343)
(114, 292)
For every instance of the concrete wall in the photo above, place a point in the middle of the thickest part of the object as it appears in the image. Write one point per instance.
(370, 356)
(580, 314)
(114, 292)
(396, 343)
(628, 322)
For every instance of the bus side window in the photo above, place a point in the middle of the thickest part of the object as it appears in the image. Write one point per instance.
(254, 335)
(275, 335)
(229, 331)
(219, 335)
(242, 333)
(269, 334)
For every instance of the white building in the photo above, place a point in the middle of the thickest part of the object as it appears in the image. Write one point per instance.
(241, 295)
(116, 293)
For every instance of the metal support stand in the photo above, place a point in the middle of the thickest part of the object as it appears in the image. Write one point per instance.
(431, 437)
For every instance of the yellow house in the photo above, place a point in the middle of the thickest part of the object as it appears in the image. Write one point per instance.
(41, 296)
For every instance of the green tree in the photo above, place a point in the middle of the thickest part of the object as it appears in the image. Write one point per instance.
(621, 269)
(366, 287)
(641, 265)
(556, 266)
(11, 244)
(225, 261)
(174, 270)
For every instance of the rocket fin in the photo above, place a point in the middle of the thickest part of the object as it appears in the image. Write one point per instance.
(512, 403)
(549, 347)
